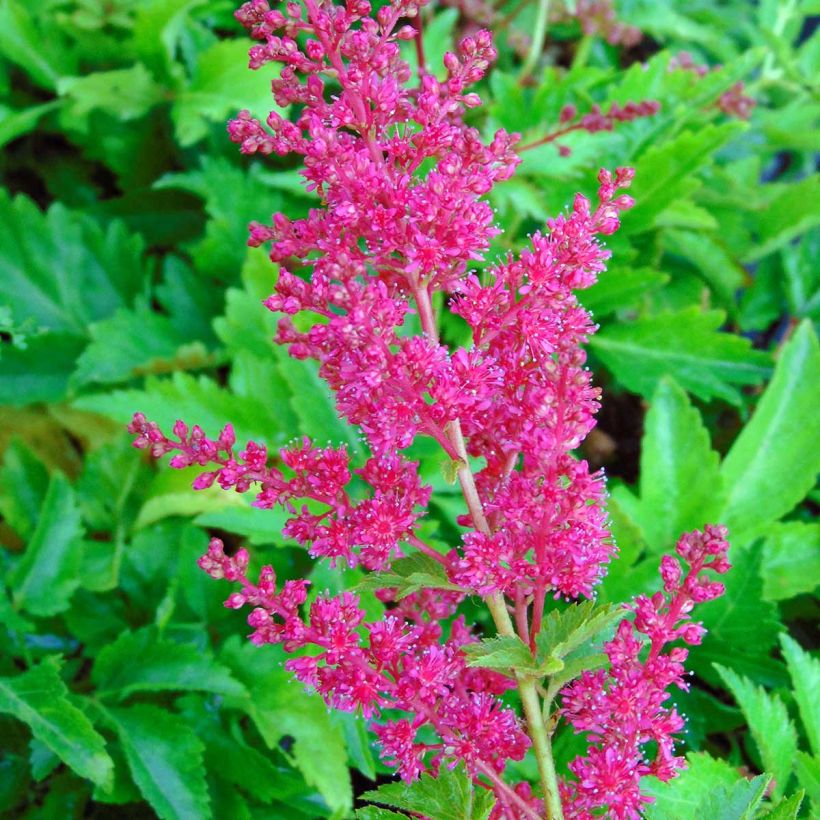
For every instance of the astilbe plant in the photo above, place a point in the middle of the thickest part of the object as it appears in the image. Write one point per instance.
(401, 177)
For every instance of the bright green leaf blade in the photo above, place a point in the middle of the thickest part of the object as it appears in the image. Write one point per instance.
(38, 698)
(807, 769)
(449, 796)
(165, 758)
(791, 560)
(737, 802)
(680, 482)
(619, 288)
(775, 460)
(773, 732)
(141, 661)
(23, 486)
(48, 573)
(804, 671)
(15, 123)
(786, 809)
(279, 707)
(686, 345)
(221, 85)
(503, 652)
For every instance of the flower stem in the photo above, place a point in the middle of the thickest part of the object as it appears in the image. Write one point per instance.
(538, 37)
(495, 602)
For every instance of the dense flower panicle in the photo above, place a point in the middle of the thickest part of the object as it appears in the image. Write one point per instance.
(623, 709)
(401, 180)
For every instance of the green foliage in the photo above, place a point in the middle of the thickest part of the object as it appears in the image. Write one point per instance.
(125, 285)
(450, 796)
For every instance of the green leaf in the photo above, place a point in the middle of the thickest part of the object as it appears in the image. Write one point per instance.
(61, 269)
(680, 799)
(737, 802)
(807, 769)
(15, 123)
(280, 709)
(686, 345)
(666, 172)
(502, 652)
(773, 732)
(196, 400)
(680, 481)
(137, 342)
(563, 632)
(125, 93)
(774, 461)
(786, 809)
(408, 575)
(165, 758)
(23, 485)
(44, 58)
(741, 625)
(449, 796)
(795, 211)
(48, 573)
(233, 197)
(220, 86)
(804, 670)
(38, 697)
(791, 560)
(620, 288)
(142, 661)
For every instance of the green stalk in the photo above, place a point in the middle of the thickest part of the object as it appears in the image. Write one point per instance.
(538, 37)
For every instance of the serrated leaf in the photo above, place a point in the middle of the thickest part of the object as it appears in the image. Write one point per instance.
(48, 573)
(165, 758)
(564, 632)
(408, 575)
(38, 698)
(773, 732)
(774, 461)
(664, 173)
(233, 197)
(142, 661)
(807, 769)
(793, 212)
(686, 345)
(23, 485)
(137, 342)
(449, 796)
(126, 93)
(737, 802)
(280, 708)
(791, 560)
(804, 670)
(741, 625)
(196, 400)
(679, 799)
(220, 86)
(61, 269)
(15, 123)
(786, 809)
(502, 652)
(680, 483)
(620, 288)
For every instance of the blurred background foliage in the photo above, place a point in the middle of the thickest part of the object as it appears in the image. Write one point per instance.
(126, 689)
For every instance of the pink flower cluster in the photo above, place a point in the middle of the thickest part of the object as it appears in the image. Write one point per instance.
(400, 230)
(622, 709)
(398, 663)
(733, 102)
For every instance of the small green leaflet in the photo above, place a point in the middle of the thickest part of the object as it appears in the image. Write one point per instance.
(164, 755)
(773, 732)
(142, 661)
(48, 573)
(774, 461)
(564, 632)
(504, 653)
(804, 670)
(39, 698)
(408, 575)
(687, 345)
(449, 796)
(739, 801)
